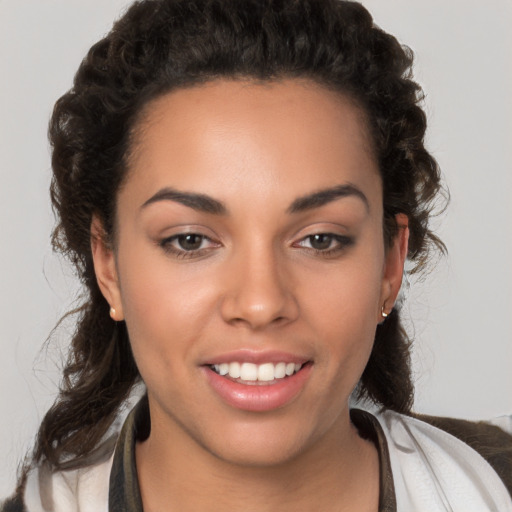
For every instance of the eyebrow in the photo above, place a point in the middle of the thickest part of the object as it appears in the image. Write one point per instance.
(199, 202)
(207, 204)
(325, 196)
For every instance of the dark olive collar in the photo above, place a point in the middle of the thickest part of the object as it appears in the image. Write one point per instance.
(124, 493)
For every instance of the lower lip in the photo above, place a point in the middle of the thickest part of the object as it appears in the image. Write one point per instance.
(258, 397)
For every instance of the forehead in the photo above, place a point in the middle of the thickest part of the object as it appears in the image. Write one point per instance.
(240, 137)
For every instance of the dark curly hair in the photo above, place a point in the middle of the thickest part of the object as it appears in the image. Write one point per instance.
(161, 45)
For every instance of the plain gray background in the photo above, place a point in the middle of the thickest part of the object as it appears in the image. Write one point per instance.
(461, 313)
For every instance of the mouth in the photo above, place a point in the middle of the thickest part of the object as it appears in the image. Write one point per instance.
(252, 374)
(258, 386)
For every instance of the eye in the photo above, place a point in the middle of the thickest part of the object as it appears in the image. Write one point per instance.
(188, 245)
(190, 241)
(321, 242)
(326, 244)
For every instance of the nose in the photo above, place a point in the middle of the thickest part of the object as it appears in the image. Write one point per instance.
(259, 291)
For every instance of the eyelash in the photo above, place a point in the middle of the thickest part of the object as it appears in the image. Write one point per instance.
(342, 243)
(167, 245)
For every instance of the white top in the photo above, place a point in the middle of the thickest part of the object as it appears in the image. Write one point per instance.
(433, 471)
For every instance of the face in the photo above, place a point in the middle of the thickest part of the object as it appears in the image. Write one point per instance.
(250, 265)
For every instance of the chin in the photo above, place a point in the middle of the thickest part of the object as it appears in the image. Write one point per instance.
(268, 454)
(263, 444)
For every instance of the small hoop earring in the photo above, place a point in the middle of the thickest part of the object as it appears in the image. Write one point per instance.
(383, 313)
(113, 313)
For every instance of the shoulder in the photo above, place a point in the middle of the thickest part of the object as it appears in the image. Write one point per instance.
(82, 485)
(492, 442)
(83, 489)
(437, 459)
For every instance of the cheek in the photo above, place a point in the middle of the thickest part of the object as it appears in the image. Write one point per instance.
(347, 294)
(342, 306)
(166, 308)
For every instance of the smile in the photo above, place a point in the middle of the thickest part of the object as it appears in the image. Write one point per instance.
(258, 386)
(251, 373)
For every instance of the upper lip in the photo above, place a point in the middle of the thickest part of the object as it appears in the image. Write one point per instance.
(256, 357)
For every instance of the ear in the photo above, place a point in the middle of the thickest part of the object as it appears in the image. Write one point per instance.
(394, 265)
(105, 268)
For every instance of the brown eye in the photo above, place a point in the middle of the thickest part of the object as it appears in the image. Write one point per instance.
(188, 245)
(320, 242)
(190, 242)
(326, 244)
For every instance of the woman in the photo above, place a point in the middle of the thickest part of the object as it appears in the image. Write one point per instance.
(239, 185)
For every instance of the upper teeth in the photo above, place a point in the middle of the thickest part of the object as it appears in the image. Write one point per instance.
(253, 372)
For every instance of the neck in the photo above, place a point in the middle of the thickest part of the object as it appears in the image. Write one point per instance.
(340, 472)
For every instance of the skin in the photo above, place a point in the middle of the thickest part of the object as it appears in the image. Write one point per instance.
(256, 283)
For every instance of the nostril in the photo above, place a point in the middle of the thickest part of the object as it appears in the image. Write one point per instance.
(256, 323)
(257, 305)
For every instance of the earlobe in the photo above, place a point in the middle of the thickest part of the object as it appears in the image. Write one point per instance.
(105, 268)
(394, 265)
